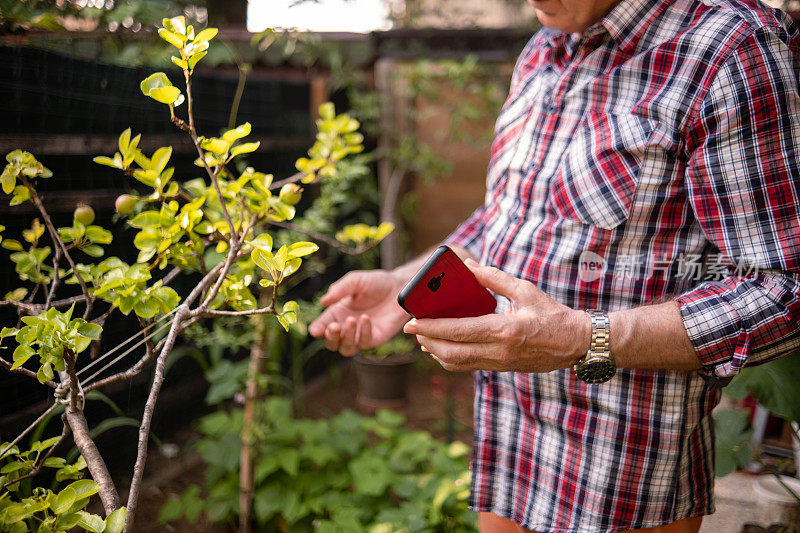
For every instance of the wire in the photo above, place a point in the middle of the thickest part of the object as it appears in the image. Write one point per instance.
(28, 429)
(126, 352)
(123, 343)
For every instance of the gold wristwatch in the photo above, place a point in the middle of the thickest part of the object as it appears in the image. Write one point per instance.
(597, 366)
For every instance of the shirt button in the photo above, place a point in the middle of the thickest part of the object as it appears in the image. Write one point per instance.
(514, 217)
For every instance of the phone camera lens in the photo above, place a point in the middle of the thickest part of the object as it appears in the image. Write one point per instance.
(435, 283)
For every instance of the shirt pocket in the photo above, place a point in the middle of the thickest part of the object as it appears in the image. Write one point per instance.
(597, 178)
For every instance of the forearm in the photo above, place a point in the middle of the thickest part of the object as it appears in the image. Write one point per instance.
(649, 336)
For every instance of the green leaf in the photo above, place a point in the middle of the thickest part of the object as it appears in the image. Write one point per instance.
(21, 194)
(206, 35)
(98, 235)
(64, 501)
(371, 474)
(91, 522)
(195, 58)
(124, 141)
(161, 158)
(146, 308)
(90, 330)
(245, 148)
(158, 87)
(733, 434)
(172, 38)
(11, 244)
(262, 241)
(171, 510)
(93, 250)
(327, 111)
(776, 386)
(166, 95)
(84, 488)
(265, 260)
(8, 179)
(300, 249)
(217, 146)
(115, 522)
(175, 24)
(21, 355)
(107, 161)
(146, 218)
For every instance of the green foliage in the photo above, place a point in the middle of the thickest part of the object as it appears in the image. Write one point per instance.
(217, 226)
(733, 434)
(362, 233)
(41, 510)
(21, 165)
(347, 473)
(399, 344)
(776, 386)
(52, 336)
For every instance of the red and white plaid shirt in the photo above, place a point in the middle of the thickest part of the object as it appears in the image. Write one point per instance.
(655, 156)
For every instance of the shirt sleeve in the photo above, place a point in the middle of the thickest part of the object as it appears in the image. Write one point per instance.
(469, 234)
(743, 184)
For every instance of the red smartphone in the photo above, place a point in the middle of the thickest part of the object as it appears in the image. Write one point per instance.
(445, 288)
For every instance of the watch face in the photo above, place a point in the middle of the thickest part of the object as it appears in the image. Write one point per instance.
(596, 370)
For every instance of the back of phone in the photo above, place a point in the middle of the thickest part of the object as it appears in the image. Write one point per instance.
(445, 288)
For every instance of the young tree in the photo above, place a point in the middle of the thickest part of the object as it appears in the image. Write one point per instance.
(176, 223)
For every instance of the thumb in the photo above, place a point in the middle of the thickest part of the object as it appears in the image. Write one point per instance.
(346, 286)
(495, 279)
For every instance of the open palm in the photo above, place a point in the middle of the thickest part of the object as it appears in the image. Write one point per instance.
(362, 312)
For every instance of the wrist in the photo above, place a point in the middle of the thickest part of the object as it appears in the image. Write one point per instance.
(579, 324)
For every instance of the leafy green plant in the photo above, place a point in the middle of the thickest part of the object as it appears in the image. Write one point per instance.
(42, 510)
(776, 386)
(216, 227)
(399, 344)
(346, 473)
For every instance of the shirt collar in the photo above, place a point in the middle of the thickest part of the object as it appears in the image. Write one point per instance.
(627, 17)
(622, 22)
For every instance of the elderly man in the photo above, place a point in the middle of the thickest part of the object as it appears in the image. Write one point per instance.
(642, 224)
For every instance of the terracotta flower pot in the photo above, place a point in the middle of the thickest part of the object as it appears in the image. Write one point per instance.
(383, 383)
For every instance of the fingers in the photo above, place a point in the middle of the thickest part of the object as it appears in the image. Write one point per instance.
(364, 333)
(350, 337)
(334, 313)
(495, 279)
(459, 357)
(476, 329)
(346, 286)
(333, 335)
(347, 347)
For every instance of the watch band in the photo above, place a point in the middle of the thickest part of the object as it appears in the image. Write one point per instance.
(601, 327)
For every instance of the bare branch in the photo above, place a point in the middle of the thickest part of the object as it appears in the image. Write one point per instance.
(147, 418)
(164, 348)
(94, 461)
(215, 312)
(56, 279)
(324, 238)
(37, 201)
(25, 372)
(83, 440)
(294, 178)
(211, 173)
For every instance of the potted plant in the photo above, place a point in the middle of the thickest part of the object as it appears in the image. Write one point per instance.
(382, 374)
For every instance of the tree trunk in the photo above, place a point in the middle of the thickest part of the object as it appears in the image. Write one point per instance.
(247, 455)
(94, 461)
